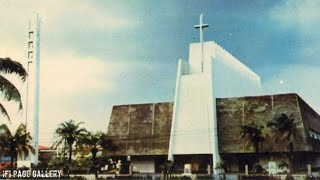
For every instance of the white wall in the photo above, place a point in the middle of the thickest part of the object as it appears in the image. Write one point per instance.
(194, 120)
(231, 78)
(192, 125)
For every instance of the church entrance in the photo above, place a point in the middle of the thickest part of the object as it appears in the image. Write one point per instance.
(198, 163)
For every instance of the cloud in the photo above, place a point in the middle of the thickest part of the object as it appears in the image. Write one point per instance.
(303, 19)
(67, 74)
(52, 12)
(75, 87)
(299, 79)
(302, 15)
(79, 26)
(92, 56)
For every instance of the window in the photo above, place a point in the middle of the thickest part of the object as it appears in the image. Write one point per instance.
(314, 135)
(30, 54)
(30, 44)
(31, 34)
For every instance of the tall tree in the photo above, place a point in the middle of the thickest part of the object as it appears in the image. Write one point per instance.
(92, 142)
(252, 135)
(69, 132)
(285, 131)
(15, 144)
(7, 88)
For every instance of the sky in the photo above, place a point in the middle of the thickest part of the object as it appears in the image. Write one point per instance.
(100, 53)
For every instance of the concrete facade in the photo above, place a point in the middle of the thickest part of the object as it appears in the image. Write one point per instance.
(141, 129)
(136, 127)
(215, 96)
(211, 72)
(233, 113)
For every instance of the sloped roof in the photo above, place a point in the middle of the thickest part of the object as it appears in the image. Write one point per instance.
(43, 147)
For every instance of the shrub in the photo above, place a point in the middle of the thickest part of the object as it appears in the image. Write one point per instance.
(79, 178)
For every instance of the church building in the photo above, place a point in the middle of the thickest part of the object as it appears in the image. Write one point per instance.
(215, 96)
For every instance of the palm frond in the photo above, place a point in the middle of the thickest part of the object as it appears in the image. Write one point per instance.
(4, 112)
(9, 66)
(285, 136)
(10, 91)
(18, 143)
(4, 130)
(57, 143)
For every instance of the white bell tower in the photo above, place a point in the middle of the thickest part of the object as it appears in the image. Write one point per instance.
(33, 84)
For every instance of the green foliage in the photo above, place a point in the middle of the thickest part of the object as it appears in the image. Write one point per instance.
(166, 168)
(58, 163)
(93, 142)
(258, 169)
(69, 132)
(252, 136)
(81, 165)
(285, 131)
(15, 144)
(44, 159)
(79, 178)
(7, 89)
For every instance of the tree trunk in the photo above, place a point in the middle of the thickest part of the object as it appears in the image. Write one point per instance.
(70, 158)
(291, 164)
(257, 153)
(11, 164)
(12, 153)
(94, 161)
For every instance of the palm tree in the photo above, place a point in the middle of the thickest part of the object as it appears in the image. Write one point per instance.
(285, 131)
(252, 136)
(69, 132)
(9, 91)
(92, 142)
(166, 169)
(16, 144)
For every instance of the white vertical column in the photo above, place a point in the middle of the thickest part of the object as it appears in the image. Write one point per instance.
(36, 90)
(175, 105)
(31, 51)
(30, 59)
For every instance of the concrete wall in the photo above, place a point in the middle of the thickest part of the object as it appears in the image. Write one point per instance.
(235, 112)
(141, 129)
(231, 78)
(193, 128)
(311, 123)
(194, 116)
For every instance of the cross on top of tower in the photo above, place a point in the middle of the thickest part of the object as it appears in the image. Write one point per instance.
(201, 26)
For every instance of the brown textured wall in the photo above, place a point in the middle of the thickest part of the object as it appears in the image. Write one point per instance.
(144, 129)
(232, 113)
(141, 129)
(311, 122)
